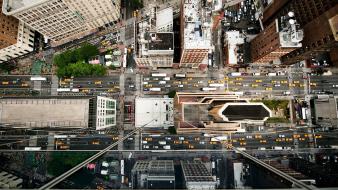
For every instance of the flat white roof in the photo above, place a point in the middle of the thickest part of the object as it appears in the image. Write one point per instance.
(10, 6)
(164, 17)
(233, 39)
(42, 112)
(197, 27)
(160, 110)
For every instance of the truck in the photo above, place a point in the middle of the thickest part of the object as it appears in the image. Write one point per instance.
(235, 74)
(166, 147)
(304, 111)
(162, 142)
(155, 89)
(271, 74)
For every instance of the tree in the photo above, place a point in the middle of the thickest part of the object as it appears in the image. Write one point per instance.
(86, 51)
(172, 94)
(172, 130)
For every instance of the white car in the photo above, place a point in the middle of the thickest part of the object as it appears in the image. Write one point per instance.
(245, 85)
(200, 82)
(180, 86)
(335, 86)
(281, 136)
(146, 146)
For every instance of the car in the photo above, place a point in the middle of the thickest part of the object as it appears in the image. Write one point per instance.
(180, 86)
(146, 89)
(200, 82)
(145, 82)
(276, 85)
(296, 82)
(258, 81)
(254, 85)
(313, 84)
(98, 82)
(245, 85)
(146, 146)
(281, 136)
(238, 83)
(100, 86)
(146, 78)
(239, 78)
(335, 86)
(167, 85)
(89, 82)
(155, 78)
(284, 81)
(292, 85)
(131, 86)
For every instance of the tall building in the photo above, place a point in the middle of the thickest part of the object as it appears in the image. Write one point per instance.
(317, 18)
(197, 176)
(216, 113)
(16, 38)
(66, 112)
(156, 39)
(63, 20)
(153, 174)
(279, 38)
(196, 34)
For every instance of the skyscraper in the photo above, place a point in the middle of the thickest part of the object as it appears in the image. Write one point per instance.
(316, 18)
(16, 38)
(63, 20)
(196, 35)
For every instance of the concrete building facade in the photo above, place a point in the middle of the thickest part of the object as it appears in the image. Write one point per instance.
(63, 20)
(16, 38)
(197, 176)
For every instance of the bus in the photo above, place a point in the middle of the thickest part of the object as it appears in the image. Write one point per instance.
(208, 89)
(124, 64)
(216, 85)
(75, 90)
(158, 74)
(180, 75)
(38, 78)
(155, 89)
(32, 148)
(63, 90)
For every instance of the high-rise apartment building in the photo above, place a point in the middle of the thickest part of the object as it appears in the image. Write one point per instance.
(196, 34)
(279, 38)
(316, 18)
(63, 20)
(16, 38)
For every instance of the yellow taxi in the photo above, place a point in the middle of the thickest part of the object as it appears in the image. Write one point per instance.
(234, 89)
(296, 82)
(191, 146)
(213, 142)
(258, 80)
(318, 136)
(63, 83)
(85, 90)
(269, 88)
(234, 140)
(195, 85)
(115, 138)
(231, 82)
(111, 90)
(177, 82)
(262, 141)
(189, 78)
(24, 84)
(313, 84)
(239, 78)
(258, 136)
(64, 147)
(5, 82)
(226, 78)
(238, 83)
(184, 82)
(284, 81)
(67, 80)
(273, 82)
(149, 85)
(96, 142)
(185, 142)
(242, 143)
(254, 85)
(301, 85)
(292, 85)
(98, 82)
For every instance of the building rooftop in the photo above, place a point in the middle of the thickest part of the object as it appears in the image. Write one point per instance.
(158, 110)
(197, 25)
(252, 111)
(161, 41)
(164, 17)
(155, 167)
(45, 112)
(196, 171)
(10, 6)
